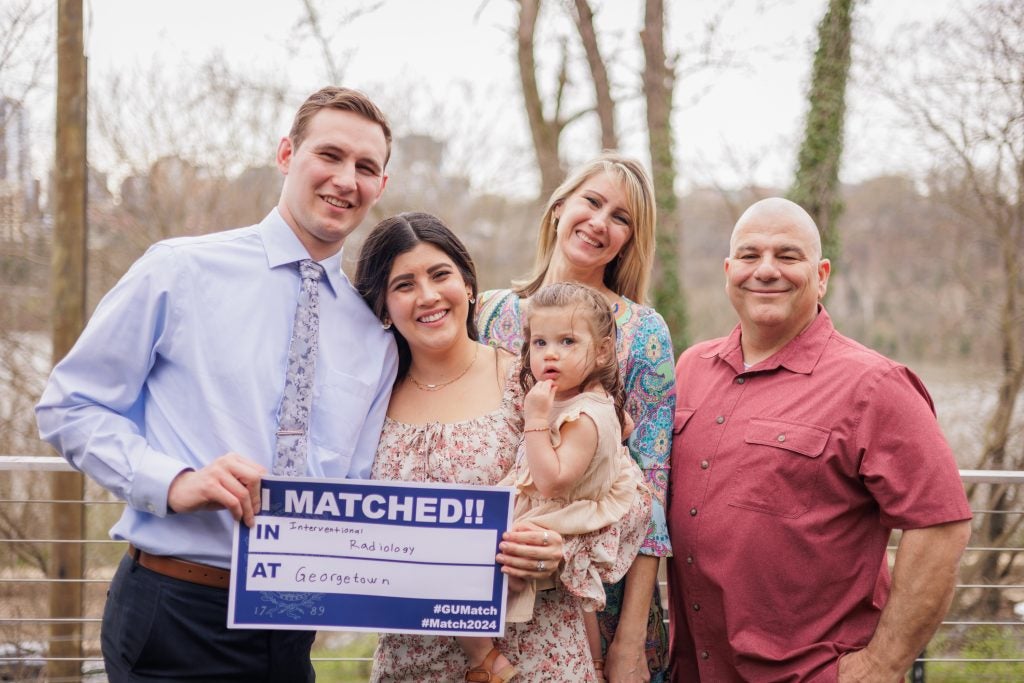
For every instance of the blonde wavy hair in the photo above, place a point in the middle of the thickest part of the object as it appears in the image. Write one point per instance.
(629, 274)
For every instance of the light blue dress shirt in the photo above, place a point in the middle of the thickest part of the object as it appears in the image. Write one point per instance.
(184, 360)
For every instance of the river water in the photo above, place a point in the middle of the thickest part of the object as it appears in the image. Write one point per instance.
(964, 396)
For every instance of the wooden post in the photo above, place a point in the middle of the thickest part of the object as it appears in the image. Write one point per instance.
(68, 289)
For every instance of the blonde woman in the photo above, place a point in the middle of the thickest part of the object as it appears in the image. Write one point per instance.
(598, 230)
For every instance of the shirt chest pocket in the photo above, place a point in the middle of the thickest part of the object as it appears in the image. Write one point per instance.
(780, 467)
(339, 410)
(682, 416)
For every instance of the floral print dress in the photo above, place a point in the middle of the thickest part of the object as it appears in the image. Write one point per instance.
(550, 648)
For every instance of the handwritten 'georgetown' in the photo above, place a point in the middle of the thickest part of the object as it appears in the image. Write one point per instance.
(302, 575)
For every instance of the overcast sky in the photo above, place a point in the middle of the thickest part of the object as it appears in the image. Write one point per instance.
(735, 123)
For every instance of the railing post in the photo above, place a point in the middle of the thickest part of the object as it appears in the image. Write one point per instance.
(67, 560)
(917, 670)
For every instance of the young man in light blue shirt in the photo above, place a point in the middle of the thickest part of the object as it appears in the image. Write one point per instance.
(170, 399)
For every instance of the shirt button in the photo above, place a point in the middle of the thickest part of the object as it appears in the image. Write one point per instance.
(150, 508)
(720, 419)
(689, 559)
(696, 607)
(704, 464)
(781, 437)
(740, 380)
(693, 512)
(704, 654)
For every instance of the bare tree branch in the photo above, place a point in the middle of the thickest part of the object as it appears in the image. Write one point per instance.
(605, 106)
(968, 107)
(26, 50)
(335, 72)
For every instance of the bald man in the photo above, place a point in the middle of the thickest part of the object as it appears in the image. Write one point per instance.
(796, 452)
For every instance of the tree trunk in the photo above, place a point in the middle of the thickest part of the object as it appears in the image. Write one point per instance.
(816, 186)
(584, 18)
(659, 81)
(545, 132)
(68, 286)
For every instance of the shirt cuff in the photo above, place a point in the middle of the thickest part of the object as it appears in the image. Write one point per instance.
(657, 542)
(151, 483)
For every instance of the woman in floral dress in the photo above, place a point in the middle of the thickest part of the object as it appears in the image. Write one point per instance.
(455, 417)
(598, 229)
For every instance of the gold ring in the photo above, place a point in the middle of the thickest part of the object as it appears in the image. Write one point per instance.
(544, 539)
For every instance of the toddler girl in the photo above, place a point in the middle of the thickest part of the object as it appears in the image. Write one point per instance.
(573, 474)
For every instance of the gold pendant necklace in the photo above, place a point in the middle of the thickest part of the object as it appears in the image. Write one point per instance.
(442, 385)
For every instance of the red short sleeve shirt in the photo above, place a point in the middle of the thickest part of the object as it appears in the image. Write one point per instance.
(786, 481)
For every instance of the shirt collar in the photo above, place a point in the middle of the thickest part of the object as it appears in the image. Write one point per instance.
(284, 248)
(800, 355)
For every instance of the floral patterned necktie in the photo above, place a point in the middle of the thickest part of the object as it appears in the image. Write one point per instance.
(293, 415)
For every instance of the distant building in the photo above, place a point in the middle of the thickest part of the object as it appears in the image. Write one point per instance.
(168, 176)
(419, 161)
(419, 153)
(19, 191)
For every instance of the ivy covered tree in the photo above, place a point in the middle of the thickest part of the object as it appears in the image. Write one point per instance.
(659, 82)
(816, 186)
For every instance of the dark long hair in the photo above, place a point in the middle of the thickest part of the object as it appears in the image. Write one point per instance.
(598, 316)
(393, 237)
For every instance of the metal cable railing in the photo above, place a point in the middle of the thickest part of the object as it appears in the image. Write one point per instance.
(24, 626)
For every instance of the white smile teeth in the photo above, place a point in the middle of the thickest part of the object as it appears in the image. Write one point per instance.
(433, 317)
(337, 202)
(587, 240)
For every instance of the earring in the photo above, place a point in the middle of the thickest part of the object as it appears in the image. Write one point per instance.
(472, 299)
(386, 324)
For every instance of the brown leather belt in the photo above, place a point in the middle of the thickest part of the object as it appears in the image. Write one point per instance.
(183, 570)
